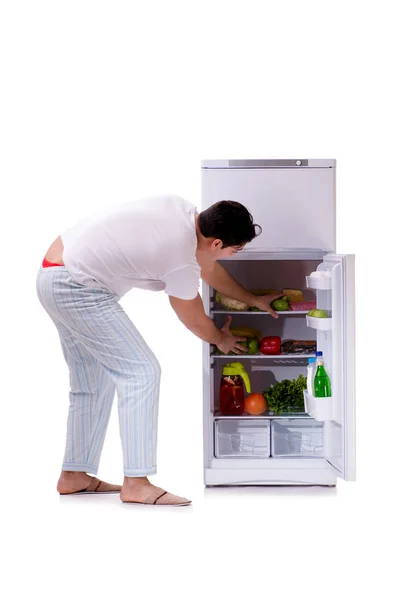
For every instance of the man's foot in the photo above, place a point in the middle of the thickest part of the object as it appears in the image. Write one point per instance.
(71, 482)
(139, 490)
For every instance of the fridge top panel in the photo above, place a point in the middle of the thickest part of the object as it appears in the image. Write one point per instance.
(257, 163)
(295, 207)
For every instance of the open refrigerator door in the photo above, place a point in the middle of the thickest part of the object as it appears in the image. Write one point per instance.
(334, 283)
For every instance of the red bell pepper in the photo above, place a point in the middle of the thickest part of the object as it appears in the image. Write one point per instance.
(270, 345)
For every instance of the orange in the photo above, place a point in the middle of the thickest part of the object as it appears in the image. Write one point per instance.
(255, 404)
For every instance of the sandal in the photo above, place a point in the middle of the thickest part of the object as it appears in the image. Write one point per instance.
(160, 497)
(96, 487)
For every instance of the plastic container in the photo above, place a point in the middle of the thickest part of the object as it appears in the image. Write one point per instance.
(243, 438)
(297, 438)
(231, 392)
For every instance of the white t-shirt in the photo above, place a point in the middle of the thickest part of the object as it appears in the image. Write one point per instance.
(149, 244)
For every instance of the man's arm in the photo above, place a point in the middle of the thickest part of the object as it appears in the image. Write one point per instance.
(218, 278)
(191, 314)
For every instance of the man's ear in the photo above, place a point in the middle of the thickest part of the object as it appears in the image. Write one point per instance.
(217, 244)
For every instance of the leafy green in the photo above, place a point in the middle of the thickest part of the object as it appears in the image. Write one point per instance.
(286, 393)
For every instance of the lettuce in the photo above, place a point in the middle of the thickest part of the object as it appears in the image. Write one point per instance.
(286, 393)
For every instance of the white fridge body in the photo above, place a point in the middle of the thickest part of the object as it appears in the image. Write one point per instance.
(294, 203)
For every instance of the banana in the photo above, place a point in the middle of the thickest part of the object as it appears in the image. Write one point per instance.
(245, 332)
(294, 295)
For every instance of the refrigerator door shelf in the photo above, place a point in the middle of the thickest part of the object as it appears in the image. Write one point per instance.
(320, 409)
(320, 324)
(321, 282)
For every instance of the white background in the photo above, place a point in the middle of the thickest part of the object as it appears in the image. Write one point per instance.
(102, 102)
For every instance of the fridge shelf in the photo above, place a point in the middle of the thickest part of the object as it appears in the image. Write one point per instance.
(320, 409)
(289, 313)
(319, 282)
(267, 415)
(275, 357)
(324, 324)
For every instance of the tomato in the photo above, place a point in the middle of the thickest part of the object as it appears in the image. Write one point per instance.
(255, 404)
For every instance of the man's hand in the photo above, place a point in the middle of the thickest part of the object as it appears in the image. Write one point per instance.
(191, 314)
(230, 343)
(264, 302)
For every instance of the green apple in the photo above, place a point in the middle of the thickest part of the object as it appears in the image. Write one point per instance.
(253, 345)
(311, 313)
(319, 313)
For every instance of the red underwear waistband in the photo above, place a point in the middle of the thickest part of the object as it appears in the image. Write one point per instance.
(47, 263)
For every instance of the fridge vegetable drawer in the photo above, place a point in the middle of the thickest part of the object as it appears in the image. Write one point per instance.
(242, 438)
(294, 438)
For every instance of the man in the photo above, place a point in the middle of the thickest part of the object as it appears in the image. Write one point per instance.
(159, 243)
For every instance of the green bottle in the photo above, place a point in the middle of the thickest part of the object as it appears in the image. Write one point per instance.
(322, 385)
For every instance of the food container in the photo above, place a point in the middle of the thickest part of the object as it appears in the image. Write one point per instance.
(243, 438)
(297, 438)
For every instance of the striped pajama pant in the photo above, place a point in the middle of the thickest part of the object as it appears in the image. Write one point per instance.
(104, 353)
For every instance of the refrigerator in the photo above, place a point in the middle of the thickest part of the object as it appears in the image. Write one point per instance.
(294, 201)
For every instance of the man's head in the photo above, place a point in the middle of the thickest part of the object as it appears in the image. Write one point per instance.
(225, 228)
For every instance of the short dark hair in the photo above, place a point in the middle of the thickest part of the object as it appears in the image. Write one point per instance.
(229, 222)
